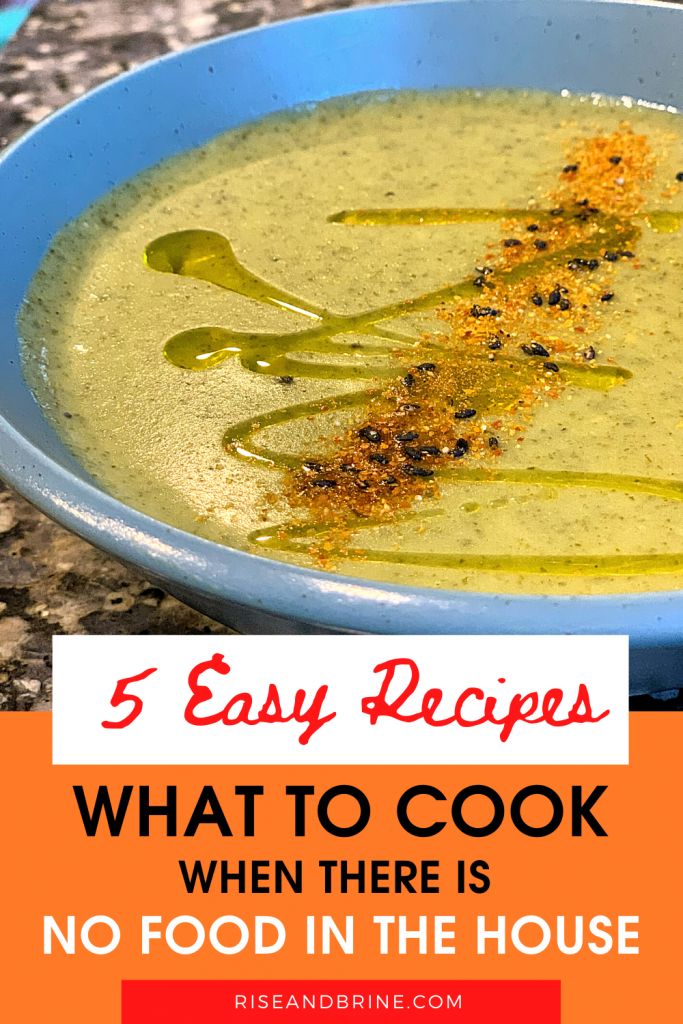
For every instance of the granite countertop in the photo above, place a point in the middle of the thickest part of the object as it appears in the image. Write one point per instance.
(50, 581)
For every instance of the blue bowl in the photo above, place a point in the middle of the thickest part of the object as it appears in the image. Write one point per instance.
(183, 100)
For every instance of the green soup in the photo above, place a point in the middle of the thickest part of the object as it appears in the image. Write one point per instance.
(180, 383)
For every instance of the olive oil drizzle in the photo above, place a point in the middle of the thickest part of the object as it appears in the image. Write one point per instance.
(659, 220)
(239, 438)
(285, 540)
(296, 538)
(208, 256)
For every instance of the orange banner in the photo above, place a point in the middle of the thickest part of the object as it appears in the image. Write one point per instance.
(438, 899)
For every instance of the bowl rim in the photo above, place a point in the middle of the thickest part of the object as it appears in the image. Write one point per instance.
(278, 587)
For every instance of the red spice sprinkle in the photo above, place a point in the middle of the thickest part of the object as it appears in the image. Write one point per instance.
(448, 406)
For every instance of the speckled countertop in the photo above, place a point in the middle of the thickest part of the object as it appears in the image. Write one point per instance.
(50, 581)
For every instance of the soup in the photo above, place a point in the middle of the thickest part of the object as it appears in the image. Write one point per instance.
(427, 338)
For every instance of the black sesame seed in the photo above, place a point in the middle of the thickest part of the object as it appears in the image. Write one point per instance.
(627, 254)
(408, 380)
(532, 227)
(413, 453)
(534, 348)
(479, 311)
(565, 304)
(484, 270)
(554, 297)
(611, 257)
(426, 367)
(418, 471)
(679, 176)
(537, 299)
(580, 264)
(379, 458)
(553, 367)
(589, 353)
(615, 159)
(408, 435)
(495, 343)
(493, 442)
(362, 485)
(430, 449)
(557, 211)
(607, 297)
(324, 484)
(346, 467)
(540, 244)
(479, 282)
(314, 467)
(462, 444)
(457, 453)
(582, 202)
(370, 434)
(569, 168)
(509, 243)
(465, 414)
(285, 380)
(389, 481)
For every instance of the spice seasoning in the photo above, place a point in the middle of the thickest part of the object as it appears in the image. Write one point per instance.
(450, 392)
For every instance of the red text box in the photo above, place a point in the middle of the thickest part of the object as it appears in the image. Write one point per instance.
(248, 1002)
